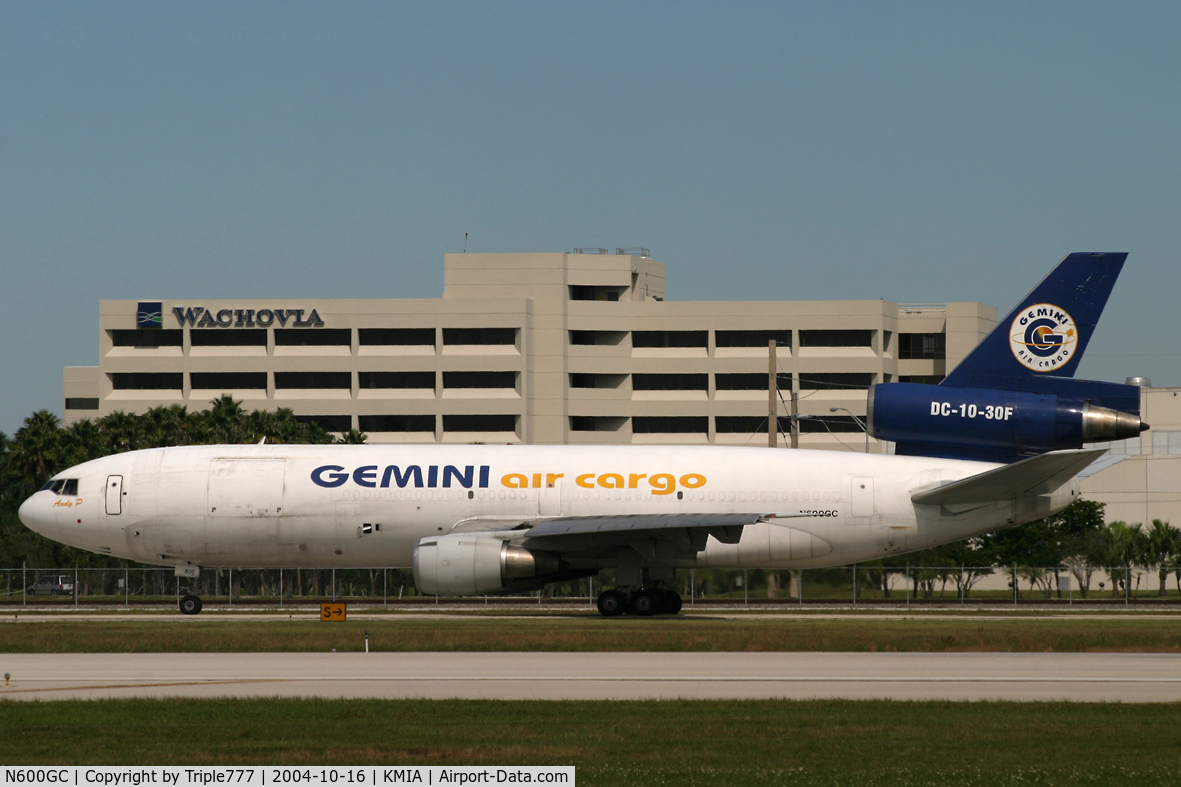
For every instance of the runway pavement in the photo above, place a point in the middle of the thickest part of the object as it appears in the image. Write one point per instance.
(1108, 677)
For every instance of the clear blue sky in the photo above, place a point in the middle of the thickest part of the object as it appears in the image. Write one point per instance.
(908, 151)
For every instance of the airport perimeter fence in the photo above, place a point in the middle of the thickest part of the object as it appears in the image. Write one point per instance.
(377, 586)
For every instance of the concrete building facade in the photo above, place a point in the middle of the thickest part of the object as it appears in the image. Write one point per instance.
(538, 348)
(1146, 483)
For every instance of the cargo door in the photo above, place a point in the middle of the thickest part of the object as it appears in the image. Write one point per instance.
(114, 494)
(861, 498)
(246, 487)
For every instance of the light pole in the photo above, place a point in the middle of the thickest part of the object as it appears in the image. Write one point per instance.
(855, 418)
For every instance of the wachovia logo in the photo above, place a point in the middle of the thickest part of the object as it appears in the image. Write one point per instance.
(1043, 337)
(149, 314)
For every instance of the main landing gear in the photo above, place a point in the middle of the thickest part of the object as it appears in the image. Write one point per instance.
(190, 605)
(642, 602)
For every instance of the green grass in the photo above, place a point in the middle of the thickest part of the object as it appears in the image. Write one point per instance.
(592, 633)
(615, 743)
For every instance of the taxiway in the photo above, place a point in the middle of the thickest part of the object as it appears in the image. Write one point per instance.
(1092, 677)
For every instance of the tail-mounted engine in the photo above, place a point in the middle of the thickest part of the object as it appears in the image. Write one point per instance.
(987, 424)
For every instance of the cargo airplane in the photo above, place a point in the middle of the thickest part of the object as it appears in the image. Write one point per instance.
(997, 444)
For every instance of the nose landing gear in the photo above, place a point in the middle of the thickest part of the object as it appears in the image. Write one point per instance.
(190, 605)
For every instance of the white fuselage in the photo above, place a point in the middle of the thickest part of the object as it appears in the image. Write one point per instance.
(346, 505)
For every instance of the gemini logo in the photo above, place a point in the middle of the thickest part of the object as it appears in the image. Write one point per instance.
(1043, 337)
(149, 315)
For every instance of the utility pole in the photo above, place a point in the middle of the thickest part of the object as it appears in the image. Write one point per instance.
(773, 401)
(772, 396)
(795, 416)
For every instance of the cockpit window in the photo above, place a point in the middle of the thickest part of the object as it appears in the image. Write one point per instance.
(62, 486)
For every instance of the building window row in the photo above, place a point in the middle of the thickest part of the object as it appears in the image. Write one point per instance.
(926, 346)
(742, 338)
(505, 380)
(723, 424)
(154, 338)
(677, 339)
(743, 381)
(837, 338)
(414, 423)
(580, 292)
(229, 381)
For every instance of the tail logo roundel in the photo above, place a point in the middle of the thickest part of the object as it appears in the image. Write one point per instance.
(1043, 337)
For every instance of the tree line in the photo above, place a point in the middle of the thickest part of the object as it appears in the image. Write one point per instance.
(1077, 538)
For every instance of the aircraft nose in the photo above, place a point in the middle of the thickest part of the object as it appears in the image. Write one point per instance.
(28, 514)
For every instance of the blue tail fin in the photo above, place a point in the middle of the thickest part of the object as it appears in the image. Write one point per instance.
(1046, 335)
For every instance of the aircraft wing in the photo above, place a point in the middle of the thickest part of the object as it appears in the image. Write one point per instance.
(1037, 475)
(579, 525)
(1101, 465)
(615, 524)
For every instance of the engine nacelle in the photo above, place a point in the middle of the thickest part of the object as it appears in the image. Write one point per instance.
(471, 564)
(1016, 422)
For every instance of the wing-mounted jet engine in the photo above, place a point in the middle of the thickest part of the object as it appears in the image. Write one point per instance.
(476, 564)
(1015, 394)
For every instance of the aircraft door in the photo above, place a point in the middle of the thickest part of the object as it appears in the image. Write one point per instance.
(862, 498)
(549, 499)
(114, 494)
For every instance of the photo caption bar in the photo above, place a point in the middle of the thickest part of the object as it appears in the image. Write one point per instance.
(181, 776)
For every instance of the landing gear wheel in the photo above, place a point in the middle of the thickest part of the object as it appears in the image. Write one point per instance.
(673, 602)
(611, 603)
(190, 605)
(646, 602)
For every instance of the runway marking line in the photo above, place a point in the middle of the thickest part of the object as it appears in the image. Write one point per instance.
(5, 692)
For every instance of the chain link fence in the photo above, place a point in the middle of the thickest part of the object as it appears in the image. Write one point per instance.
(844, 585)
(140, 585)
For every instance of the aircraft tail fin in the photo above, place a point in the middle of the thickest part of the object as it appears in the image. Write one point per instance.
(1048, 331)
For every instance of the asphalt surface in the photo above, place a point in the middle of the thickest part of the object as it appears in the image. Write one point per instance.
(1092, 677)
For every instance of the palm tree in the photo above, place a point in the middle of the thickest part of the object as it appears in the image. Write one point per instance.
(83, 441)
(227, 420)
(164, 426)
(1162, 542)
(121, 432)
(1036, 577)
(36, 452)
(1122, 549)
